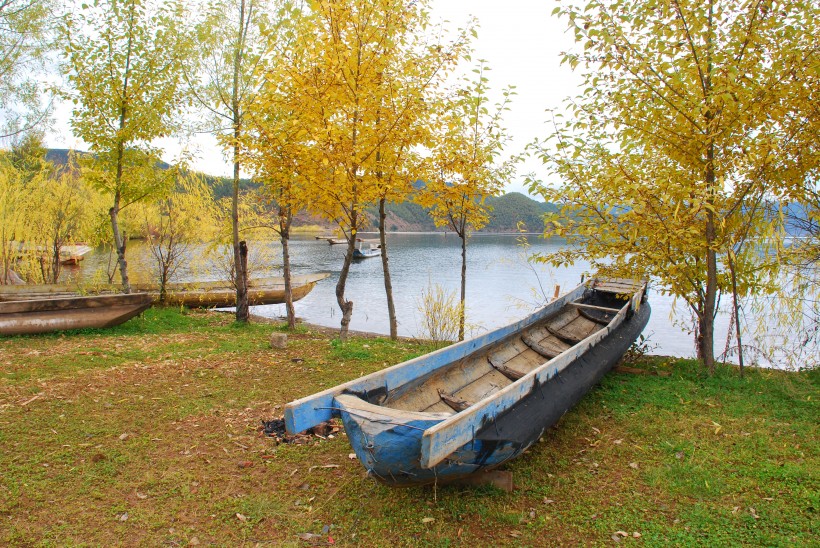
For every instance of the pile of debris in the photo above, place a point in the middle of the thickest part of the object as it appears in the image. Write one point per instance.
(276, 429)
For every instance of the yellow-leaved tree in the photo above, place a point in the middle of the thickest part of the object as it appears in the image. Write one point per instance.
(124, 62)
(676, 157)
(466, 165)
(345, 83)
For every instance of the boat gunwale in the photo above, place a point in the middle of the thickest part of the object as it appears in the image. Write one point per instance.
(311, 410)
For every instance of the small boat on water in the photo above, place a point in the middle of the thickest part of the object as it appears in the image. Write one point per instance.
(71, 255)
(193, 294)
(477, 404)
(366, 249)
(28, 317)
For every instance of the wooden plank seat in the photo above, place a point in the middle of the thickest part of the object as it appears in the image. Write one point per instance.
(455, 403)
(508, 372)
(530, 341)
(563, 337)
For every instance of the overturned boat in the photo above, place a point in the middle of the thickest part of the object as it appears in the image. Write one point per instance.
(476, 404)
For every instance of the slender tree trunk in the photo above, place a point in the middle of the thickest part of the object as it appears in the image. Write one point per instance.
(707, 319)
(463, 311)
(388, 284)
(119, 240)
(344, 305)
(285, 218)
(242, 310)
(242, 313)
(737, 312)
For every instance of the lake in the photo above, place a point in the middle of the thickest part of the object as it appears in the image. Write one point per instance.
(502, 286)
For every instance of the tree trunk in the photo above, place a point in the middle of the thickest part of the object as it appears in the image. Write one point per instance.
(707, 318)
(737, 312)
(241, 271)
(114, 213)
(119, 243)
(285, 218)
(463, 311)
(388, 284)
(344, 305)
(242, 309)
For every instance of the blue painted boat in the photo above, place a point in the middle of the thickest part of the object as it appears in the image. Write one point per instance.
(476, 404)
(366, 249)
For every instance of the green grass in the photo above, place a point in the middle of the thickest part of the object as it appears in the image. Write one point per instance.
(147, 434)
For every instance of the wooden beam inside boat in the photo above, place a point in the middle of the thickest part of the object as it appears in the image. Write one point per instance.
(593, 307)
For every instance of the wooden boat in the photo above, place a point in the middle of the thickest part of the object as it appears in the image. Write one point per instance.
(336, 241)
(479, 403)
(193, 294)
(27, 317)
(366, 249)
(71, 255)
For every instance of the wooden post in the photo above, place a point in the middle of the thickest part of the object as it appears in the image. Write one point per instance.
(557, 292)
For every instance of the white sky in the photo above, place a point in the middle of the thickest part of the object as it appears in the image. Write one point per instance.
(521, 43)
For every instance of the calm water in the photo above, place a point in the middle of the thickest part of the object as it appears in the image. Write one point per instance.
(501, 285)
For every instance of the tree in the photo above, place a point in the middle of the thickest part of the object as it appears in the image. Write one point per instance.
(124, 60)
(24, 39)
(671, 157)
(412, 92)
(232, 45)
(465, 167)
(336, 73)
(177, 221)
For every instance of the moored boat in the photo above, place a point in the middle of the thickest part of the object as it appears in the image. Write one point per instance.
(366, 249)
(193, 294)
(477, 404)
(28, 317)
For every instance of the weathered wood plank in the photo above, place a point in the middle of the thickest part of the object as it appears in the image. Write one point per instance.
(593, 307)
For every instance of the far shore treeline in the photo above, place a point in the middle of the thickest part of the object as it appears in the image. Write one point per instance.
(690, 154)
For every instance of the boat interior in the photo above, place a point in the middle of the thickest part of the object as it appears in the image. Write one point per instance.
(461, 384)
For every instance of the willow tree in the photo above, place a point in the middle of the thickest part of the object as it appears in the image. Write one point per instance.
(343, 56)
(124, 61)
(671, 155)
(231, 44)
(467, 166)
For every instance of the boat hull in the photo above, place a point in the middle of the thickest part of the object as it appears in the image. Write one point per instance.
(192, 295)
(390, 452)
(29, 317)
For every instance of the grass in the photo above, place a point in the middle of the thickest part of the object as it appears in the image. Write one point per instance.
(147, 434)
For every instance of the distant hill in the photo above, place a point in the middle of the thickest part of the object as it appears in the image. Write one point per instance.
(507, 210)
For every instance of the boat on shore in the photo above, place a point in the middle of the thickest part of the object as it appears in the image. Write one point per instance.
(477, 404)
(191, 294)
(32, 316)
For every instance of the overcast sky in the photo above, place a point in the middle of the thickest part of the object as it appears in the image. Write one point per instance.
(521, 43)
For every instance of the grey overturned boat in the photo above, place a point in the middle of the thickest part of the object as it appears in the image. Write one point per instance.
(28, 317)
(479, 403)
